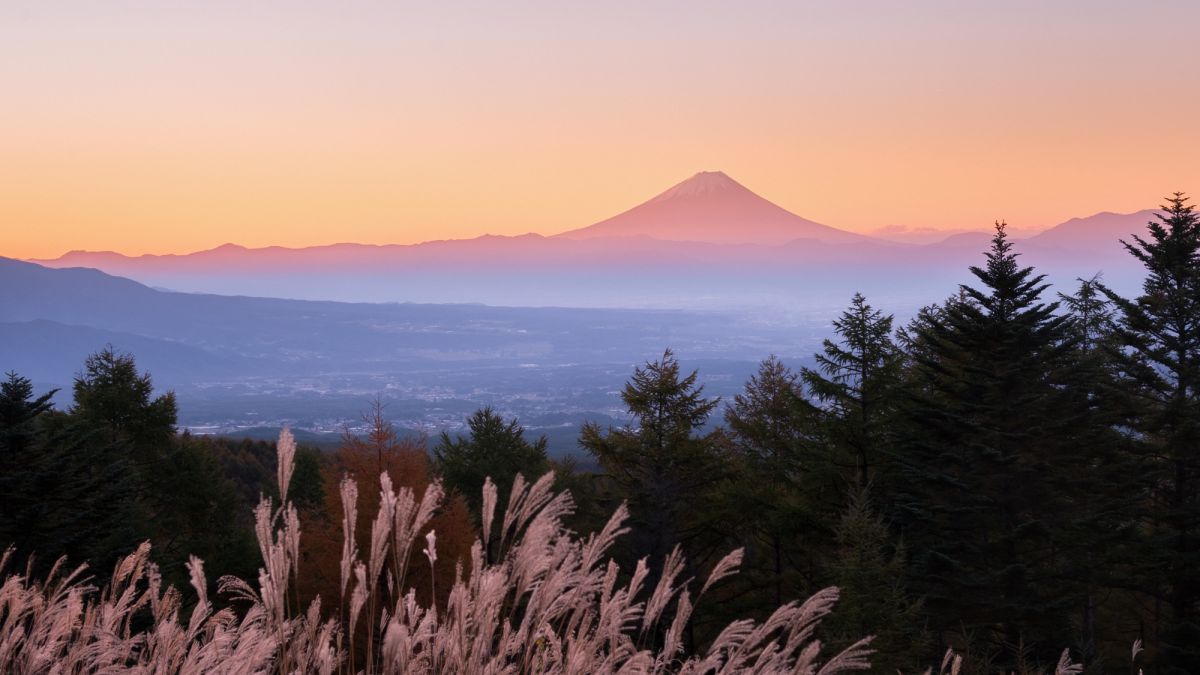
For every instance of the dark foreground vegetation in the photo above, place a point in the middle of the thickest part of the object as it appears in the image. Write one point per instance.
(1015, 472)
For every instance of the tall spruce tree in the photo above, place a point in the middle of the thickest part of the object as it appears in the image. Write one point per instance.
(1159, 335)
(983, 440)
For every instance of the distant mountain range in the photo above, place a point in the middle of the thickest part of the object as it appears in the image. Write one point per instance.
(52, 318)
(706, 242)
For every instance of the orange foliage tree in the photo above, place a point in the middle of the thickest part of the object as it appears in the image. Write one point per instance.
(406, 462)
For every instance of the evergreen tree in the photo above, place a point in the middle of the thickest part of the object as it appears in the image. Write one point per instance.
(782, 480)
(1092, 314)
(197, 511)
(19, 413)
(1102, 551)
(855, 382)
(983, 440)
(19, 410)
(1159, 335)
(661, 463)
(182, 499)
(110, 394)
(63, 491)
(868, 567)
(494, 448)
(117, 403)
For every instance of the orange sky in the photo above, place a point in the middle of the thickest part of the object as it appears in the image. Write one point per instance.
(177, 126)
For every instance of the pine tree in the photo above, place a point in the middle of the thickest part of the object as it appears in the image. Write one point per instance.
(981, 446)
(1159, 334)
(855, 382)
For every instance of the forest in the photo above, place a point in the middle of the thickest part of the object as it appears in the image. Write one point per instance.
(1012, 474)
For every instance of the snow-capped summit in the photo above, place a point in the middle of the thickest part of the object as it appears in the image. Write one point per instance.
(712, 207)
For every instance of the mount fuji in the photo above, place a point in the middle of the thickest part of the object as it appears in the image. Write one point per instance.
(712, 207)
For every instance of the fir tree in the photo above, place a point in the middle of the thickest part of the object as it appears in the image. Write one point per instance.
(494, 448)
(982, 442)
(661, 462)
(19, 413)
(1092, 314)
(1159, 334)
(64, 490)
(1101, 547)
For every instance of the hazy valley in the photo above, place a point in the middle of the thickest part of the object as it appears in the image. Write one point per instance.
(543, 328)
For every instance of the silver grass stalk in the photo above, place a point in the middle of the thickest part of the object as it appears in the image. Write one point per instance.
(286, 461)
(349, 493)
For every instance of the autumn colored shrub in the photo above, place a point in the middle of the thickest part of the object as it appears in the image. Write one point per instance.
(362, 460)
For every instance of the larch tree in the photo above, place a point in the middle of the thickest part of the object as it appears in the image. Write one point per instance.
(362, 458)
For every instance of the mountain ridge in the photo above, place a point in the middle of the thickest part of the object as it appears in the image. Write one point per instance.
(653, 255)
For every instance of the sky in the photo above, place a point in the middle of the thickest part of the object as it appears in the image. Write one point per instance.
(157, 127)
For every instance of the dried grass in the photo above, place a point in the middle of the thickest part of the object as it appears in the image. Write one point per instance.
(545, 602)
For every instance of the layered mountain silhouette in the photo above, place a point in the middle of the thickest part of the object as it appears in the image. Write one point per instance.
(708, 241)
(51, 319)
(1095, 234)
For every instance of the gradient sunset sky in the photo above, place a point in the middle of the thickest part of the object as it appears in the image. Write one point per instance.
(154, 127)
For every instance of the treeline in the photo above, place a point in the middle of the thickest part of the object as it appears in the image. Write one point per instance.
(1014, 471)
(92, 482)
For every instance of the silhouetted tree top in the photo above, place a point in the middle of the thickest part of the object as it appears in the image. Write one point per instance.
(112, 394)
(494, 447)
